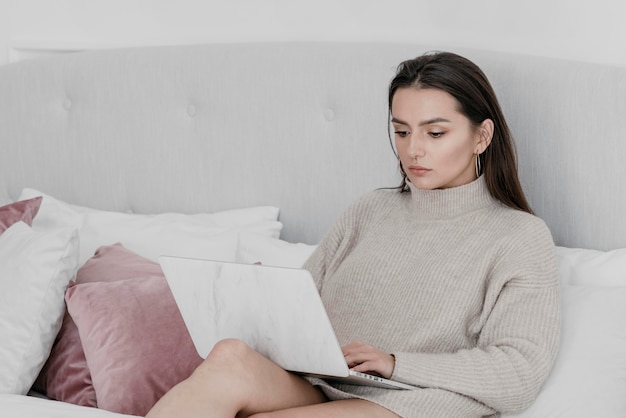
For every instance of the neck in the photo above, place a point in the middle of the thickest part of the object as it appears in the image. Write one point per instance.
(452, 202)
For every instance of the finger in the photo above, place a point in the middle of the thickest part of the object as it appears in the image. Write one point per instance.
(367, 367)
(352, 347)
(358, 347)
(380, 365)
(352, 359)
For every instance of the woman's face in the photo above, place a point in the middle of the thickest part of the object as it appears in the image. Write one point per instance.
(437, 144)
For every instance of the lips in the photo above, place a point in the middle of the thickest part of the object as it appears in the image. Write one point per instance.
(419, 170)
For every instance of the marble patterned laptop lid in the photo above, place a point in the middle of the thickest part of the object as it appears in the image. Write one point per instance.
(275, 310)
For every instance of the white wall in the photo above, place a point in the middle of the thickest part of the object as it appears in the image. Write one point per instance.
(587, 30)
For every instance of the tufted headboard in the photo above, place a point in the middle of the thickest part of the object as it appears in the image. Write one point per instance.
(302, 126)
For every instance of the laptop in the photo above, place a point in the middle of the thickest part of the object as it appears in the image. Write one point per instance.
(275, 310)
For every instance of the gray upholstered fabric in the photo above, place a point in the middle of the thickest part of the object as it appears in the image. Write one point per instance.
(302, 126)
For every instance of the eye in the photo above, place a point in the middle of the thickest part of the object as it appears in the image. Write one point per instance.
(402, 134)
(436, 134)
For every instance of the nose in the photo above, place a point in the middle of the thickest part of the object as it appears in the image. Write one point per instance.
(416, 146)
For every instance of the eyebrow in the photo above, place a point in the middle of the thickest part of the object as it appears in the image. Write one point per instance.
(424, 123)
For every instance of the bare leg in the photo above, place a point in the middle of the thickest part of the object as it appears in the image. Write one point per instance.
(235, 380)
(349, 408)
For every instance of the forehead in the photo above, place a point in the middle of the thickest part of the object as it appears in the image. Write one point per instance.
(424, 103)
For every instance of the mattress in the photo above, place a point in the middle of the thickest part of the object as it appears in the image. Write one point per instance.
(13, 406)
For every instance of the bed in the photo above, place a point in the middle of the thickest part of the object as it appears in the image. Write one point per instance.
(248, 152)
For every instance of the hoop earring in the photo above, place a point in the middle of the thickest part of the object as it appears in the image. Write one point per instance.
(477, 165)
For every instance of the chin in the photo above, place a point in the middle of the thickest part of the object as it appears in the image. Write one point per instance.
(423, 184)
(429, 182)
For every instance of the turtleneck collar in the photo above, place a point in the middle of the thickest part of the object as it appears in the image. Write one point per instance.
(452, 202)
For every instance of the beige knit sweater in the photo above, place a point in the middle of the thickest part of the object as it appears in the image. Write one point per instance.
(461, 289)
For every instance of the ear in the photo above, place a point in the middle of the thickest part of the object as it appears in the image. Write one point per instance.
(484, 136)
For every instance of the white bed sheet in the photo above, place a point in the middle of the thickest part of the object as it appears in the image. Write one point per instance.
(14, 406)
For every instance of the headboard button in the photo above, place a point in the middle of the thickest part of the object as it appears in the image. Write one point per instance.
(67, 103)
(191, 110)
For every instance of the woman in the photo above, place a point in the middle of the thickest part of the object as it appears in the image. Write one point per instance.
(448, 283)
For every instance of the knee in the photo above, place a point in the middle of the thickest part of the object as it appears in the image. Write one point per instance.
(229, 349)
(227, 353)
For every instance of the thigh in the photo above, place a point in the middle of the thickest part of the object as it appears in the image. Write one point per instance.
(259, 383)
(348, 408)
(235, 380)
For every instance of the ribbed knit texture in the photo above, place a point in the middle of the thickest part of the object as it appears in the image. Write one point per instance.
(461, 289)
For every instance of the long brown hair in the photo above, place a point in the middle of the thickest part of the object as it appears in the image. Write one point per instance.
(467, 83)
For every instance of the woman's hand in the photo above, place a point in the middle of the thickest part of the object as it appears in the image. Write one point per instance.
(367, 359)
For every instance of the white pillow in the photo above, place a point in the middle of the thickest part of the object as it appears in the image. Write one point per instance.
(150, 236)
(591, 267)
(35, 269)
(254, 248)
(589, 376)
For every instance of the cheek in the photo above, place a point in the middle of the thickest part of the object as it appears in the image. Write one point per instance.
(458, 153)
(400, 149)
(457, 150)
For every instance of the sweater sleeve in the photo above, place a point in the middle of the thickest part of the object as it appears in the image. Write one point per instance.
(518, 342)
(337, 242)
(321, 260)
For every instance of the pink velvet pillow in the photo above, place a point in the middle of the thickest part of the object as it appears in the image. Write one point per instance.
(134, 339)
(65, 376)
(24, 210)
